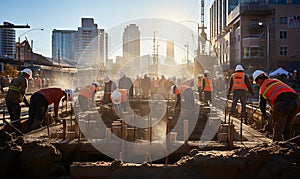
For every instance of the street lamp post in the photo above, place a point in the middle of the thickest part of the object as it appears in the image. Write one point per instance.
(19, 43)
(267, 30)
(198, 33)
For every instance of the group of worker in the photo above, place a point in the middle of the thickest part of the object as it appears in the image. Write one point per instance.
(281, 97)
(41, 99)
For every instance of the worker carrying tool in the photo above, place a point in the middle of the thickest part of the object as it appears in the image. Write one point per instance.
(86, 96)
(283, 100)
(239, 83)
(40, 100)
(16, 95)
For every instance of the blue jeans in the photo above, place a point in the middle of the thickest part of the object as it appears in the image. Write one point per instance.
(239, 95)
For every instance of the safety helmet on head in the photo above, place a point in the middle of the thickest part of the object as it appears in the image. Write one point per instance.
(116, 97)
(96, 83)
(106, 79)
(27, 71)
(70, 94)
(239, 68)
(206, 72)
(173, 87)
(257, 73)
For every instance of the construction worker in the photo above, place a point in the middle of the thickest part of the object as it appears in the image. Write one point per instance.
(137, 85)
(207, 87)
(187, 93)
(119, 99)
(109, 86)
(41, 99)
(16, 95)
(86, 96)
(146, 86)
(126, 83)
(239, 82)
(200, 85)
(283, 100)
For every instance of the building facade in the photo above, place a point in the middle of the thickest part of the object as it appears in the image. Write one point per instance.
(131, 46)
(256, 34)
(7, 42)
(63, 44)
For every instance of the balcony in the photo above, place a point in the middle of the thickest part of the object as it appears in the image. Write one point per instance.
(254, 41)
(256, 9)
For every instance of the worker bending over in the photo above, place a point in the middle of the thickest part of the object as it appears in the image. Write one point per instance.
(87, 95)
(282, 98)
(40, 100)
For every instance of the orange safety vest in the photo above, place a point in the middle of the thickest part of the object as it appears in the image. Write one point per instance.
(208, 86)
(200, 81)
(181, 89)
(271, 88)
(239, 81)
(136, 83)
(88, 91)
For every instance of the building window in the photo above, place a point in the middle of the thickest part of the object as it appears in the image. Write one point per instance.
(283, 20)
(253, 52)
(283, 50)
(283, 34)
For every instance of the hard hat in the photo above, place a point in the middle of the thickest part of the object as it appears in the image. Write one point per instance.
(206, 71)
(27, 71)
(239, 68)
(96, 83)
(173, 87)
(106, 79)
(70, 94)
(295, 71)
(116, 97)
(257, 73)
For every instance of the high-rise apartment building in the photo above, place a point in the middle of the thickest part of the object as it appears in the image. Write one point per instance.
(7, 41)
(88, 43)
(87, 46)
(63, 44)
(131, 45)
(170, 53)
(256, 34)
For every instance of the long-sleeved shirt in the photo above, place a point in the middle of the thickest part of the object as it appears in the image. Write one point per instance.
(17, 89)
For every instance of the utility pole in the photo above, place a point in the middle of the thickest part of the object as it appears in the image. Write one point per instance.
(203, 34)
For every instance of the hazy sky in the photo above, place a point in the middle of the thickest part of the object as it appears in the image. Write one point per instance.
(67, 14)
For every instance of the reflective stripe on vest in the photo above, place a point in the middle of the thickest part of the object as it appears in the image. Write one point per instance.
(239, 81)
(15, 88)
(208, 86)
(271, 88)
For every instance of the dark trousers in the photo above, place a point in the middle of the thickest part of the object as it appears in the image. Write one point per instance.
(83, 103)
(14, 110)
(37, 110)
(282, 116)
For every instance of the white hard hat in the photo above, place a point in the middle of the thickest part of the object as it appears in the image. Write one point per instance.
(295, 71)
(27, 71)
(96, 83)
(239, 68)
(70, 94)
(206, 71)
(116, 97)
(173, 87)
(106, 79)
(257, 73)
